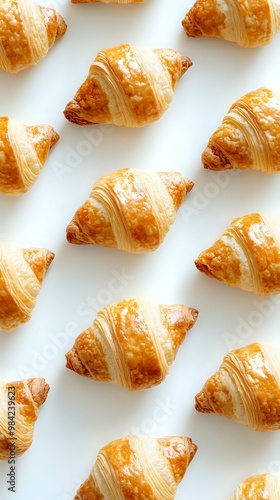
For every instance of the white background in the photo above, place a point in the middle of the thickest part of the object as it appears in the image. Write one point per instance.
(80, 415)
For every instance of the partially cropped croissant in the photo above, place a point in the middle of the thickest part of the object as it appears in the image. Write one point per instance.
(138, 467)
(20, 402)
(127, 85)
(249, 23)
(27, 32)
(132, 343)
(130, 209)
(265, 486)
(249, 136)
(108, 1)
(23, 152)
(246, 388)
(247, 255)
(21, 274)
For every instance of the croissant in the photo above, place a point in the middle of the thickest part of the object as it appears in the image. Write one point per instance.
(247, 255)
(249, 23)
(21, 401)
(265, 486)
(129, 209)
(246, 388)
(127, 85)
(21, 274)
(138, 467)
(23, 152)
(131, 343)
(108, 1)
(249, 136)
(27, 32)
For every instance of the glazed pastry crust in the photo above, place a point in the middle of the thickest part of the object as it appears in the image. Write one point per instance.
(129, 209)
(108, 1)
(249, 23)
(27, 32)
(265, 486)
(131, 343)
(249, 136)
(21, 275)
(246, 388)
(29, 394)
(152, 467)
(127, 86)
(247, 255)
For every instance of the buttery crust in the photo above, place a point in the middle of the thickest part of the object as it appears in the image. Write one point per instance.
(247, 255)
(27, 32)
(265, 486)
(249, 136)
(151, 467)
(249, 23)
(246, 388)
(131, 343)
(127, 86)
(108, 1)
(129, 209)
(23, 152)
(28, 395)
(21, 275)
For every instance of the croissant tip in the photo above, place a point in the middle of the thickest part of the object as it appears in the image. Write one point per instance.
(186, 64)
(201, 403)
(39, 389)
(54, 138)
(49, 259)
(190, 26)
(188, 185)
(72, 114)
(193, 449)
(61, 26)
(213, 158)
(203, 268)
(194, 313)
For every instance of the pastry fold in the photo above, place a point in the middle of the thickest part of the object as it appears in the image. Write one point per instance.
(265, 486)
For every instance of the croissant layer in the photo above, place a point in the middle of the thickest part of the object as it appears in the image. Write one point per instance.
(246, 388)
(26, 397)
(249, 23)
(131, 343)
(249, 136)
(127, 86)
(265, 486)
(151, 467)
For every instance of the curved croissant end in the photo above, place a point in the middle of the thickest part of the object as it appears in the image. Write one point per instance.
(129, 209)
(131, 343)
(127, 86)
(247, 255)
(246, 388)
(152, 467)
(28, 395)
(23, 152)
(249, 136)
(108, 1)
(263, 486)
(249, 24)
(21, 275)
(36, 29)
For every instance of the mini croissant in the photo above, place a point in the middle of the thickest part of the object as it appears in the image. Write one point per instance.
(21, 274)
(128, 85)
(131, 343)
(27, 32)
(265, 486)
(249, 136)
(247, 255)
(138, 467)
(20, 402)
(130, 209)
(23, 152)
(249, 23)
(246, 388)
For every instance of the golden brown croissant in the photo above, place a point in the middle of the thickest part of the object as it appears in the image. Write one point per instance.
(20, 402)
(138, 467)
(246, 388)
(260, 487)
(108, 1)
(23, 152)
(130, 209)
(21, 274)
(131, 343)
(250, 23)
(127, 85)
(27, 32)
(247, 255)
(249, 136)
